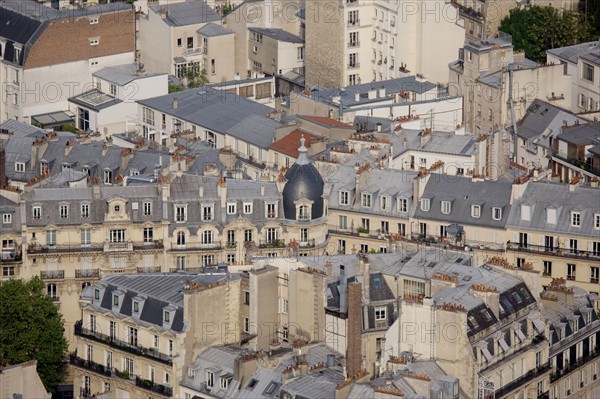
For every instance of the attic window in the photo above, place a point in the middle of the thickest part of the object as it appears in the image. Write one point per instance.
(252, 383)
(496, 213)
(167, 316)
(19, 167)
(97, 294)
(191, 373)
(271, 388)
(224, 383)
(115, 300)
(425, 204)
(377, 283)
(476, 211)
(446, 207)
(534, 108)
(136, 307)
(526, 212)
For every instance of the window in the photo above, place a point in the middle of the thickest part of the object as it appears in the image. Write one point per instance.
(19, 167)
(86, 237)
(132, 336)
(271, 211)
(97, 294)
(365, 224)
(85, 210)
(147, 208)
(573, 244)
(385, 227)
(37, 212)
(6, 218)
(136, 307)
(231, 208)
(551, 215)
(148, 234)
(181, 263)
(210, 379)
(496, 213)
(180, 213)
(64, 211)
(303, 235)
(167, 316)
(570, 271)
(594, 274)
(303, 213)
(112, 329)
(112, 88)
(230, 237)
(365, 200)
(425, 204)
(246, 298)
(180, 238)
(402, 204)
(246, 326)
(575, 219)
(547, 268)
(352, 79)
(107, 177)
(526, 212)
(380, 313)
(207, 237)
(51, 238)
(597, 221)
(343, 222)
(207, 212)
(587, 72)
(247, 208)
(224, 383)
(353, 39)
(93, 21)
(343, 197)
(117, 235)
(115, 300)
(446, 207)
(271, 234)
(248, 235)
(384, 203)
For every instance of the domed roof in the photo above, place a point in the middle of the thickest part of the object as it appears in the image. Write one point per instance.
(303, 182)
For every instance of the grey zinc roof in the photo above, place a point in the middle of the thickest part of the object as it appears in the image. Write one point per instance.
(22, 129)
(278, 34)
(592, 56)
(542, 121)
(263, 378)
(572, 53)
(187, 13)
(579, 135)
(40, 12)
(221, 361)
(462, 192)
(212, 29)
(222, 112)
(122, 74)
(439, 142)
(550, 195)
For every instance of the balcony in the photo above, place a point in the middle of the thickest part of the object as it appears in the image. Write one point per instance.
(87, 273)
(52, 274)
(231, 245)
(523, 380)
(89, 365)
(271, 244)
(118, 247)
(189, 52)
(552, 251)
(36, 249)
(355, 22)
(576, 162)
(558, 374)
(353, 44)
(148, 246)
(10, 257)
(196, 246)
(354, 65)
(153, 269)
(154, 387)
(149, 353)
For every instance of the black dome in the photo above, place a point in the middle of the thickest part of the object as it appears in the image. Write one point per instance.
(303, 182)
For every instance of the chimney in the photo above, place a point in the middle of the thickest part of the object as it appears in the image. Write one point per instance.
(378, 127)
(357, 97)
(69, 146)
(126, 157)
(175, 103)
(343, 290)
(366, 277)
(382, 92)
(353, 349)
(594, 183)
(329, 268)
(419, 184)
(262, 190)
(330, 360)
(201, 192)
(425, 136)
(104, 149)
(372, 94)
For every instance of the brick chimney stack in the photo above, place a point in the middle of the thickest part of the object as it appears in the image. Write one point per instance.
(353, 351)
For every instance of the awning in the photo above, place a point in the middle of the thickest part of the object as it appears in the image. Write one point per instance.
(454, 229)
(503, 344)
(487, 354)
(520, 335)
(53, 119)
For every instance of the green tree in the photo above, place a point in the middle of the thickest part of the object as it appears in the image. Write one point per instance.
(31, 328)
(194, 76)
(535, 29)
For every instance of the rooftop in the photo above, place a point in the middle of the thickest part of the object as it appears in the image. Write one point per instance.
(211, 29)
(122, 74)
(187, 13)
(278, 34)
(572, 53)
(288, 145)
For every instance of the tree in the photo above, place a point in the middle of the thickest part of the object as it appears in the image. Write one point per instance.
(31, 328)
(535, 29)
(194, 76)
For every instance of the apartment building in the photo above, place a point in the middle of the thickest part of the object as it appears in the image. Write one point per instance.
(111, 106)
(576, 152)
(22, 380)
(41, 70)
(555, 230)
(483, 75)
(375, 41)
(582, 63)
(138, 331)
(11, 255)
(275, 51)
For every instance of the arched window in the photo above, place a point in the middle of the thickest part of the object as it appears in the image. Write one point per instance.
(180, 238)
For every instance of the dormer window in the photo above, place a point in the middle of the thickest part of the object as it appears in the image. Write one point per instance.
(167, 316)
(551, 216)
(136, 307)
(446, 207)
(17, 55)
(63, 211)
(575, 219)
(526, 212)
(207, 212)
(247, 208)
(224, 382)
(210, 379)
(231, 208)
(496, 213)
(117, 208)
(303, 213)
(597, 221)
(402, 204)
(97, 294)
(271, 210)
(19, 167)
(85, 210)
(575, 325)
(425, 204)
(191, 373)
(115, 300)
(476, 211)
(37, 212)
(344, 197)
(365, 200)
(384, 203)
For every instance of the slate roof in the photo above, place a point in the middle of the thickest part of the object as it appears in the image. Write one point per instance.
(446, 143)
(222, 112)
(325, 121)
(22, 129)
(187, 13)
(278, 34)
(553, 195)
(211, 29)
(581, 135)
(572, 53)
(462, 192)
(121, 75)
(288, 144)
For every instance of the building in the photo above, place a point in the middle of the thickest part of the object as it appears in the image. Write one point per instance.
(170, 42)
(582, 63)
(22, 381)
(576, 152)
(363, 40)
(285, 48)
(11, 252)
(111, 106)
(41, 70)
(483, 75)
